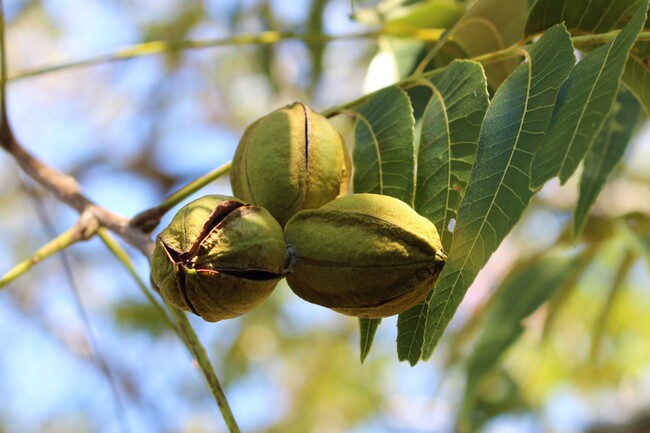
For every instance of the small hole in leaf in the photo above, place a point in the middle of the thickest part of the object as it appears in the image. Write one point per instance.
(451, 225)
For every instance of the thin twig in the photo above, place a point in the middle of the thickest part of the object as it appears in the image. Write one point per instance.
(82, 230)
(416, 78)
(188, 336)
(159, 47)
(147, 220)
(67, 190)
(124, 259)
(202, 358)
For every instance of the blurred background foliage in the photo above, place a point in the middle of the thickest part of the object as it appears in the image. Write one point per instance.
(553, 335)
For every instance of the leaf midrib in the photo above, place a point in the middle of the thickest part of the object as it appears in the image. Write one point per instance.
(361, 117)
(514, 148)
(584, 108)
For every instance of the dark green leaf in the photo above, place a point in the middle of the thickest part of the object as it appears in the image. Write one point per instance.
(605, 153)
(522, 294)
(592, 16)
(451, 125)
(450, 130)
(497, 193)
(583, 105)
(384, 159)
(636, 75)
(384, 152)
(410, 333)
(367, 330)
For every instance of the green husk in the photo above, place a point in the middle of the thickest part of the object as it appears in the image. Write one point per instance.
(219, 257)
(364, 255)
(289, 160)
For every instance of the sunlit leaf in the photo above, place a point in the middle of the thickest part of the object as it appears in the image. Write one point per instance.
(522, 294)
(497, 193)
(583, 105)
(594, 16)
(605, 153)
(406, 16)
(491, 25)
(450, 130)
(428, 14)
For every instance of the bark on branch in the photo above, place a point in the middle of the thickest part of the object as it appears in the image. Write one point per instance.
(67, 190)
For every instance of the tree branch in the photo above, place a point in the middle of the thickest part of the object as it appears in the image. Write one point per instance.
(148, 219)
(67, 190)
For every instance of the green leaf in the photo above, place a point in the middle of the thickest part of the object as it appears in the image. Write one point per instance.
(497, 193)
(410, 333)
(591, 16)
(605, 153)
(367, 331)
(451, 125)
(522, 294)
(583, 105)
(384, 152)
(637, 77)
(384, 160)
